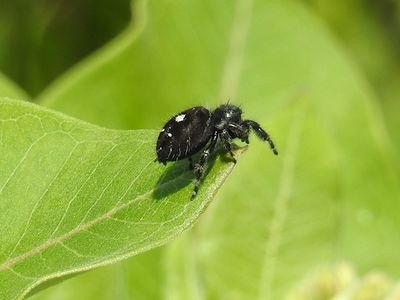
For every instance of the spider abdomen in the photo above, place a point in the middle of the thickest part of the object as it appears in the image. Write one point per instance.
(184, 134)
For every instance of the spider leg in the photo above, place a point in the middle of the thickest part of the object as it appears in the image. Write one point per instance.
(261, 133)
(241, 131)
(226, 140)
(199, 167)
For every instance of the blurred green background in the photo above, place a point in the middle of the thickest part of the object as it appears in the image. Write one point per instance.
(323, 77)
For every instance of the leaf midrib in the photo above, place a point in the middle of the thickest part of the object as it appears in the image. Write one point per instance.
(81, 227)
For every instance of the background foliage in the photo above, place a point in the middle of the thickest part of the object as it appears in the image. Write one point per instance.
(321, 76)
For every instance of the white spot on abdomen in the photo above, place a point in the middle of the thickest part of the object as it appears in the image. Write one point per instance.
(180, 118)
(169, 134)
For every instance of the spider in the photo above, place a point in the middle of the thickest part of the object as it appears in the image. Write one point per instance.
(197, 129)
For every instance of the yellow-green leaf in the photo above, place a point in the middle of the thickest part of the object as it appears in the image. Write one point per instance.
(74, 196)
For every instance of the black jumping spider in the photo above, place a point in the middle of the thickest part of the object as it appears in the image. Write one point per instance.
(191, 130)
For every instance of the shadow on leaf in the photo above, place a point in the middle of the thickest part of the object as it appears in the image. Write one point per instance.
(178, 175)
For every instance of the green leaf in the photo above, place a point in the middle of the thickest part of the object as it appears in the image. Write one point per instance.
(140, 277)
(332, 192)
(74, 196)
(119, 81)
(375, 48)
(41, 39)
(10, 89)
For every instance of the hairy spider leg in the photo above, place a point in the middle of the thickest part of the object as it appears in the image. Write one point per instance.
(240, 131)
(199, 167)
(261, 133)
(227, 142)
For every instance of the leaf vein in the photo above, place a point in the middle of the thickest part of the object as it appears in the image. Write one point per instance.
(13, 261)
(40, 199)
(77, 192)
(110, 182)
(75, 252)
